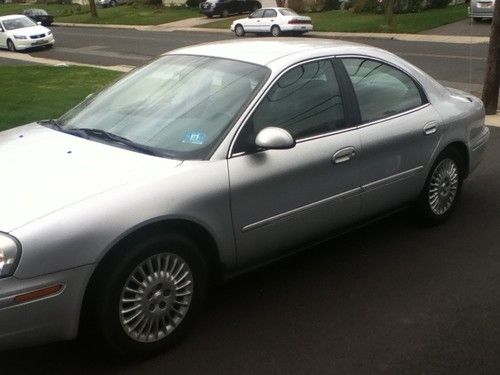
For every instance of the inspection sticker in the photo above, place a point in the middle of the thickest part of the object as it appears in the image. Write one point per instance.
(195, 138)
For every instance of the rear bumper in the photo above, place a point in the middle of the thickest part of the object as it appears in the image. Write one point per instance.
(296, 28)
(477, 148)
(51, 318)
(476, 12)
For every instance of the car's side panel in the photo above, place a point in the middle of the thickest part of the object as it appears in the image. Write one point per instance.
(82, 233)
(394, 157)
(281, 198)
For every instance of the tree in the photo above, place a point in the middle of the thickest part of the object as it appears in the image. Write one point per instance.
(492, 79)
(93, 8)
(389, 12)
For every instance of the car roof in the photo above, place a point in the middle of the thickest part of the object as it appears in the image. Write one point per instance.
(264, 52)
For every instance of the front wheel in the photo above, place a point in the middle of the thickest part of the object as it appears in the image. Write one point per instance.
(11, 46)
(442, 189)
(145, 300)
(239, 30)
(275, 30)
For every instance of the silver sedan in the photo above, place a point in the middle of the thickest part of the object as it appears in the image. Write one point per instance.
(211, 160)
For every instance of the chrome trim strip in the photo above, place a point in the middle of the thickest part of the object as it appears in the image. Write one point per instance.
(394, 116)
(395, 177)
(296, 211)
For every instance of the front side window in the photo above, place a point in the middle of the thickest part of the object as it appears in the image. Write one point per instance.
(269, 13)
(178, 106)
(258, 13)
(305, 101)
(381, 89)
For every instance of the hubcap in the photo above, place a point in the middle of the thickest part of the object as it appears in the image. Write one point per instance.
(443, 186)
(156, 297)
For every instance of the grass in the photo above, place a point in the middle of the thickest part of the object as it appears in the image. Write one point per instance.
(33, 93)
(134, 14)
(346, 21)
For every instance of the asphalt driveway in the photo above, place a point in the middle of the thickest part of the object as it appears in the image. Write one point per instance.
(389, 298)
(464, 27)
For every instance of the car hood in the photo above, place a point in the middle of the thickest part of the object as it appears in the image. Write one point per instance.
(33, 30)
(44, 170)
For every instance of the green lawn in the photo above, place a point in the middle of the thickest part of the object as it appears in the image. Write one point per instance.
(32, 93)
(134, 14)
(346, 21)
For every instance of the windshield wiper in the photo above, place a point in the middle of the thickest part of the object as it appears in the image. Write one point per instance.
(51, 123)
(89, 133)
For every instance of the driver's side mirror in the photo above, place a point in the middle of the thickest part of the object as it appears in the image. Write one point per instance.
(273, 138)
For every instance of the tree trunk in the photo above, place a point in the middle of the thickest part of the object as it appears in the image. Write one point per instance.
(389, 12)
(93, 8)
(492, 79)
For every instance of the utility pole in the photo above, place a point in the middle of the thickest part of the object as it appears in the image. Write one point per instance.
(492, 79)
(93, 8)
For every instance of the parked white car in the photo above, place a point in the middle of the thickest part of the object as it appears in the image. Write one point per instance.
(18, 32)
(272, 20)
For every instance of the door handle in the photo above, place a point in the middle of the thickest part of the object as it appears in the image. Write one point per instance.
(344, 155)
(430, 128)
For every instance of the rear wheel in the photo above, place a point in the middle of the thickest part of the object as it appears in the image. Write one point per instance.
(477, 19)
(112, 3)
(275, 30)
(442, 189)
(239, 30)
(11, 46)
(144, 301)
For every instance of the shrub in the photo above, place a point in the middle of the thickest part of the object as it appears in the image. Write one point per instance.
(437, 3)
(194, 3)
(331, 5)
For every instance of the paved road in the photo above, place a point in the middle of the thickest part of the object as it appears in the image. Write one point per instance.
(391, 298)
(456, 63)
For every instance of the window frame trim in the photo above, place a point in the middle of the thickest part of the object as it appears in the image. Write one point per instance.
(423, 95)
(271, 84)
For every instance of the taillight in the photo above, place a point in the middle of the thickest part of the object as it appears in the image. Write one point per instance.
(295, 21)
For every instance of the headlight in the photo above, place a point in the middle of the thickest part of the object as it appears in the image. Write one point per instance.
(9, 255)
(20, 37)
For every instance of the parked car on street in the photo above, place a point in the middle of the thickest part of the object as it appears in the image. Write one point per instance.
(225, 8)
(112, 3)
(209, 161)
(481, 9)
(39, 15)
(272, 20)
(19, 32)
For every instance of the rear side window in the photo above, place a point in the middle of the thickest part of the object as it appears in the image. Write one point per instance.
(382, 90)
(269, 13)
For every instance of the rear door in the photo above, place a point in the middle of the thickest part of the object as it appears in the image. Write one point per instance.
(268, 20)
(399, 130)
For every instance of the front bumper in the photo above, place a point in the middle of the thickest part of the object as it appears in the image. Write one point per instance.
(51, 318)
(22, 44)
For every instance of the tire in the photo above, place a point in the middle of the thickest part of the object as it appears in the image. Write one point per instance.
(239, 30)
(442, 189)
(477, 19)
(49, 46)
(11, 46)
(210, 15)
(275, 30)
(112, 3)
(143, 301)
(225, 13)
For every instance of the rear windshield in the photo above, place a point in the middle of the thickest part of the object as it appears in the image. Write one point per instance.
(287, 12)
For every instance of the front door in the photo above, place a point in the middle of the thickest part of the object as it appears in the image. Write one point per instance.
(283, 198)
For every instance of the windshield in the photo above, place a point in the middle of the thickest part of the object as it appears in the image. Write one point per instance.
(18, 23)
(38, 12)
(179, 106)
(287, 12)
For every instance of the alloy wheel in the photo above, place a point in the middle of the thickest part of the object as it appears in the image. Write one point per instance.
(156, 297)
(443, 186)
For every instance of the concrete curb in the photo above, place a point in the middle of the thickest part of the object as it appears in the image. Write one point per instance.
(493, 120)
(184, 25)
(53, 62)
